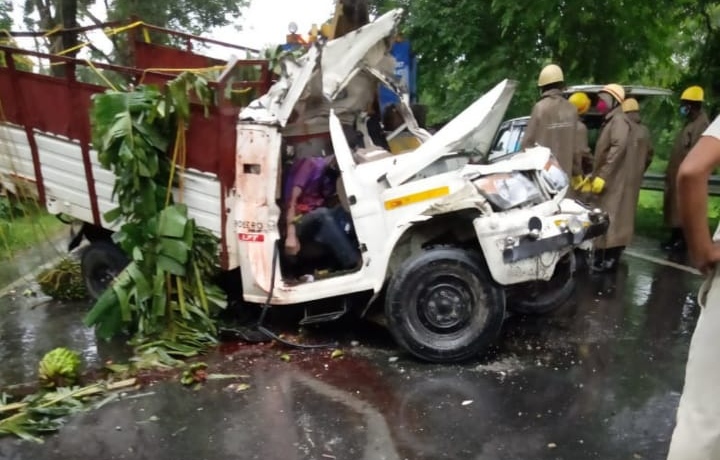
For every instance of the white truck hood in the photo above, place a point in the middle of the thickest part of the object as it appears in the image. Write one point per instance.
(338, 60)
(472, 130)
(343, 57)
(531, 159)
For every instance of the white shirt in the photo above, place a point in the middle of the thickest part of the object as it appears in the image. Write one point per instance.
(714, 131)
(714, 128)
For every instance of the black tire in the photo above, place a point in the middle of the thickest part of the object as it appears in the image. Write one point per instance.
(442, 307)
(101, 262)
(543, 297)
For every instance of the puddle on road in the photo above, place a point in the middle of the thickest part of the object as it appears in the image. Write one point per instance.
(32, 326)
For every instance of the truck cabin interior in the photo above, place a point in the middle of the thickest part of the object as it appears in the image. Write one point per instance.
(371, 136)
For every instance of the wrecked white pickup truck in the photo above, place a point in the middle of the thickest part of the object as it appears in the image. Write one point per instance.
(443, 242)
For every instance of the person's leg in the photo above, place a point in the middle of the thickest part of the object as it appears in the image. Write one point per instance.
(344, 220)
(697, 432)
(322, 227)
(679, 239)
(607, 259)
(612, 257)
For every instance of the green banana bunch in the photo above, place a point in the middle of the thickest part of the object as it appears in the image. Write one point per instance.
(196, 373)
(63, 281)
(59, 368)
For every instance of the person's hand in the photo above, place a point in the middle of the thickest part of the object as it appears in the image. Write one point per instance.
(292, 245)
(586, 186)
(578, 181)
(597, 185)
(705, 260)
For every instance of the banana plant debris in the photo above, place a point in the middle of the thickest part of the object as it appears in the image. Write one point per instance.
(44, 412)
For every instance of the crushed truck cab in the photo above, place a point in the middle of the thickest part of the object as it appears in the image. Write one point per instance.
(443, 236)
(447, 242)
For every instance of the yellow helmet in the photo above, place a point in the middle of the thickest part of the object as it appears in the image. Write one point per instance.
(550, 74)
(581, 101)
(615, 90)
(693, 93)
(630, 105)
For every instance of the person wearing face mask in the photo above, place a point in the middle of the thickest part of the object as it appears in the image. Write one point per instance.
(553, 122)
(609, 179)
(583, 155)
(695, 123)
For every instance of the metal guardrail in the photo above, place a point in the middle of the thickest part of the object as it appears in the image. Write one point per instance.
(653, 181)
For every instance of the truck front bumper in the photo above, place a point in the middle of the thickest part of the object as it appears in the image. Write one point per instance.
(525, 244)
(529, 246)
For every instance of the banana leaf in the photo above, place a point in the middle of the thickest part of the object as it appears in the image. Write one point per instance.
(103, 307)
(170, 265)
(152, 136)
(159, 295)
(15, 425)
(143, 289)
(173, 220)
(174, 249)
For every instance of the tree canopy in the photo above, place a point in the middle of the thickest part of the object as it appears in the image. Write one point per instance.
(465, 46)
(193, 16)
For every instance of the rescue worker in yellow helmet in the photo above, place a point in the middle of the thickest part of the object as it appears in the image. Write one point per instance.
(608, 179)
(582, 103)
(696, 121)
(627, 178)
(640, 141)
(553, 121)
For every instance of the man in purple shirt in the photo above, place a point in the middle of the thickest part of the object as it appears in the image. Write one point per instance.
(311, 214)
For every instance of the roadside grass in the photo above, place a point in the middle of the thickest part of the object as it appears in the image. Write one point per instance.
(658, 166)
(649, 218)
(26, 231)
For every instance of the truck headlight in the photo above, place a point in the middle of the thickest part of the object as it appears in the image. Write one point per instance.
(507, 191)
(554, 177)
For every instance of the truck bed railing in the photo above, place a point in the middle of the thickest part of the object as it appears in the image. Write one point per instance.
(46, 125)
(60, 104)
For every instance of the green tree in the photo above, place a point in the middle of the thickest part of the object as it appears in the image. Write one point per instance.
(5, 19)
(699, 46)
(192, 16)
(54, 14)
(6, 24)
(464, 46)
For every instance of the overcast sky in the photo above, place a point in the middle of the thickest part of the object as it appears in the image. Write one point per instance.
(264, 23)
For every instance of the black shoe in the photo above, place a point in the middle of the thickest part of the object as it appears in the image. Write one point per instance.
(676, 242)
(677, 246)
(604, 266)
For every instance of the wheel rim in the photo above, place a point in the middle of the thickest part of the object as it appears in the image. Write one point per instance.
(445, 305)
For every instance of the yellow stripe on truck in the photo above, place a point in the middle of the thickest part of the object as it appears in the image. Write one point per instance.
(416, 197)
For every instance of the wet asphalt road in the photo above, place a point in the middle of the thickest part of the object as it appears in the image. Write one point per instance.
(600, 380)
